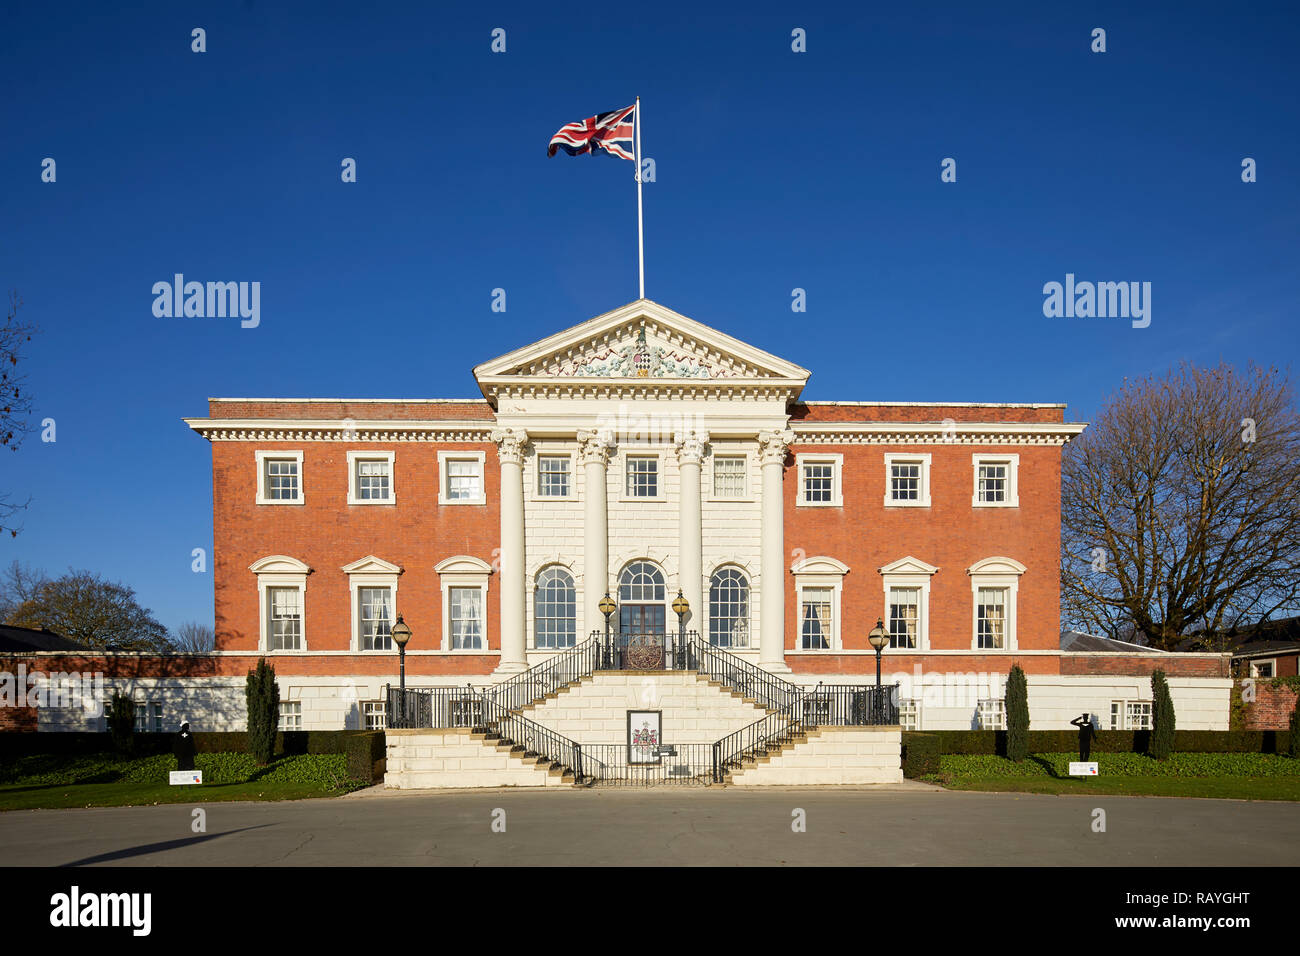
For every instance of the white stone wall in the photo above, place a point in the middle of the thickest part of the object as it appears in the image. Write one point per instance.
(832, 756)
(694, 711)
(208, 703)
(424, 759)
(553, 530)
(951, 701)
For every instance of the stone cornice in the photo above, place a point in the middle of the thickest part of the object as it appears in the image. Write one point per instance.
(505, 388)
(935, 433)
(341, 430)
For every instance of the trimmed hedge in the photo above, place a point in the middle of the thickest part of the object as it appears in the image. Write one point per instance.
(328, 771)
(977, 766)
(920, 754)
(993, 742)
(287, 743)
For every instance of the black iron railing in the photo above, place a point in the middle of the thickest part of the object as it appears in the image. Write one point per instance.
(645, 652)
(536, 740)
(751, 681)
(851, 705)
(622, 765)
(432, 707)
(550, 675)
(763, 736)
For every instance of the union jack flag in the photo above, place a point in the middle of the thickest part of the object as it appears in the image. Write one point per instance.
(611, 132)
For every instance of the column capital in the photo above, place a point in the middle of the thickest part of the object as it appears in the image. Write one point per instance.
(690, 446)
(595, 445)
(773, 445)
(510, 444)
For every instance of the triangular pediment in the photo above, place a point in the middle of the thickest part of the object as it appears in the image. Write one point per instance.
(644, 342)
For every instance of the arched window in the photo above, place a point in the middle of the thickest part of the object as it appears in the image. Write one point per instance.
(729, 608)
(555, 609)
(640, 581)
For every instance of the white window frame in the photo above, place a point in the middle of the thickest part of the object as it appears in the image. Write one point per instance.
(295, 714)
(661, 478)
(995, 572)
(746, 493)
(991, 713)
(1254, 665)
(910, 572)
(819, 573)
(1126, 721)
(374, 708)
(443, 484)
(149, 713)
(262, 457)
(836, 461)
(909, 713)
(464, 571)
(354, 490)
(369, 572)
(537, 477)
(279, 571)
(908, 458)
(1013, 479)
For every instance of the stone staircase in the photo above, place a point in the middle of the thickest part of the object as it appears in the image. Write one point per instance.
(826, 756)
(458, 757)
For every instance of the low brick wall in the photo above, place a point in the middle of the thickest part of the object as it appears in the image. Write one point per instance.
(1141, 665)
(832, 756)
(1271, 708)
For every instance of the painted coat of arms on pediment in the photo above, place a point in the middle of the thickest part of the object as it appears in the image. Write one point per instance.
(638, 359)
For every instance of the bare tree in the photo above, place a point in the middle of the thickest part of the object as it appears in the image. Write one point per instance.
(15, 401)
(194, 638)
(1180, 506)
(18, 584)
(83, 606)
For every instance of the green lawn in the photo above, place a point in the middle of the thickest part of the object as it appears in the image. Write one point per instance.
(56, 796)
(108, 780)
(1227, 776)
(1227, 788)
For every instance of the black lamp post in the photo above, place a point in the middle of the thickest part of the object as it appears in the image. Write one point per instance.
(607, 607)
(681, 607)
(401, 633)
(879, 639)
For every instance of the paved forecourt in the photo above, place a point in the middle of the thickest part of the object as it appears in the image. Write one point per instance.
(909, 826)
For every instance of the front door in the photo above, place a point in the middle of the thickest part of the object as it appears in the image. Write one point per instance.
(641, 636)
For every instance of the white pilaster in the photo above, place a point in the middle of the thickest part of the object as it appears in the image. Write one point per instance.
(594, 450)
(510, 444)
(773, 446)
(690, 452)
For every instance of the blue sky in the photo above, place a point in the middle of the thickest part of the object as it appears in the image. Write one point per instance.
(775, 170)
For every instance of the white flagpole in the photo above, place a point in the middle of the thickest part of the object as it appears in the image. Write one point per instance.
(640, 230)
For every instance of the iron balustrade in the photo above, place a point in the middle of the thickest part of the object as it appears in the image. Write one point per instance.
(751, 681)
(763, 736)
(851, 705)
(653, 651)
(621, 765)
(440, 707)
(547, 677)
(536, 740)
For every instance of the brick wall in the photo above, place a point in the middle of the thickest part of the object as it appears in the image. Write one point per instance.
(1141, 665)
(327, 533)
(1271, 708)
(950, 534)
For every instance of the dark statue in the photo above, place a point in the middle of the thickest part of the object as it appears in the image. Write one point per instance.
(184, 748)
(1086, 733)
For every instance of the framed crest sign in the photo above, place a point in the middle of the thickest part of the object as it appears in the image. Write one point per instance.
(644, 736)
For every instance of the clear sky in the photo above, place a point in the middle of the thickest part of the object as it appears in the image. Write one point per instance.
(775, 170)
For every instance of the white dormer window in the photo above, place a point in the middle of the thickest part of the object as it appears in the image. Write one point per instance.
(370, 478)
(907, 481)
(996, 481)
(279, 477)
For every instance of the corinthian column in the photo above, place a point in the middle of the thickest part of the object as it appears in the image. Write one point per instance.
(594, 449)
(690, 452)
(773, 446)
(510, 444)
